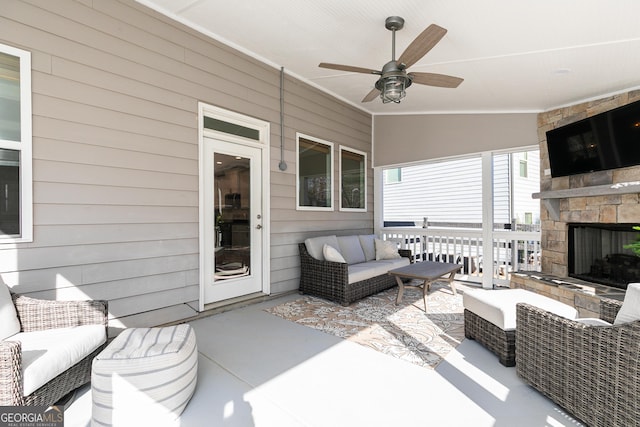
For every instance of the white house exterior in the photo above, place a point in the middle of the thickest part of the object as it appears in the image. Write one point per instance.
(449, 192)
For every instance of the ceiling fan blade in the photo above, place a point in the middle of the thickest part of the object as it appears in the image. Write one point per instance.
(439, 80)
(348, 68)
(371, 95)
(422, 44)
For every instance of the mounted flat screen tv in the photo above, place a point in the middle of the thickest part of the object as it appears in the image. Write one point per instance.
(608, 140)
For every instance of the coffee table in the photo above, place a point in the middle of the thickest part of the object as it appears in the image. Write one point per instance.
(428, 272)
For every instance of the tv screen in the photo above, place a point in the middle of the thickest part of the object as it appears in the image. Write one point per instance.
(605, 141)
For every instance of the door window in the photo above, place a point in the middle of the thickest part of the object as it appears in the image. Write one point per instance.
(232, 193)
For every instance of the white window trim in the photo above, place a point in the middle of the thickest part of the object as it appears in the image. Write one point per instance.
(331, 174)
(24, 146)
(361, 153)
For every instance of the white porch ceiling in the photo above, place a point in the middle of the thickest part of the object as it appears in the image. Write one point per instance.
(515, 56)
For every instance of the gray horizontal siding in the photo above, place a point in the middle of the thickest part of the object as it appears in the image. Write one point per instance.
(115, 155)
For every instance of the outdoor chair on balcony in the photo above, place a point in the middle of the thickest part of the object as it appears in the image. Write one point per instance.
(590, 367)
(46, 347)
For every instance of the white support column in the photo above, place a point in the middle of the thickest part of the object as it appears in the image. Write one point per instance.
(487, 220)
(378, 201)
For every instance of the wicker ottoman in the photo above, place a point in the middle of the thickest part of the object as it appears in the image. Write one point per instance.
(145, 376)
(490, 317)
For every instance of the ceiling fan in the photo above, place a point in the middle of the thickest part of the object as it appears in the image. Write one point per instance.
(394, 78)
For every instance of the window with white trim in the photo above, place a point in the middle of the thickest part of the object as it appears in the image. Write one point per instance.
(314, 174)
(353, 180)
(16, 217)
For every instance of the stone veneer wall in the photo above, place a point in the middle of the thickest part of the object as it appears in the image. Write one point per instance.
(617, 208)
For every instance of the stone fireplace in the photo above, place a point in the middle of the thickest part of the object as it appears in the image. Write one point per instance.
(606, 198)
(584, 198)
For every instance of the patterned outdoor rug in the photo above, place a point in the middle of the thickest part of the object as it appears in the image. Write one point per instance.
(404, 331)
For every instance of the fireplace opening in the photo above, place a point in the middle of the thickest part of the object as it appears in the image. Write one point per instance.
(597, 254)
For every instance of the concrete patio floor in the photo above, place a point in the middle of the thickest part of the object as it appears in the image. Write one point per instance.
(256, 369)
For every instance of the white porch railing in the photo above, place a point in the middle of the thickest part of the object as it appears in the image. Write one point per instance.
(512, 250)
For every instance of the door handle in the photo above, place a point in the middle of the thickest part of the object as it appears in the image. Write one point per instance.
(259, 226)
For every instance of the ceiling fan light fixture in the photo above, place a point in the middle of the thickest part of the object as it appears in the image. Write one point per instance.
(393, 87)
(393, 90)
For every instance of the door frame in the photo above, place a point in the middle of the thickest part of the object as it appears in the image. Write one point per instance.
(262, 143)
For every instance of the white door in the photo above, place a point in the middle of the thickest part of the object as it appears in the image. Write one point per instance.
(233, 220)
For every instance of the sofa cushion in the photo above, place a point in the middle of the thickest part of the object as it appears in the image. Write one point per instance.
(351, 249)
(332, 254)
(630, 310)
(9, 323)
(386, 249)
(315, 245)
(46, 354)
(394, 262)
(368, 246)
(369, 269)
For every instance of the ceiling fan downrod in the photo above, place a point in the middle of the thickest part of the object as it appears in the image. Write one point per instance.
(393, 24)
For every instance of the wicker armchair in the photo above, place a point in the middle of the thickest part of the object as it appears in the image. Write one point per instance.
(591, 371)
(37, 315)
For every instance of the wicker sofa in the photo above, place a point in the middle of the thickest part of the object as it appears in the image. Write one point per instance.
(591, 371)
(359, 276)
(52, 334)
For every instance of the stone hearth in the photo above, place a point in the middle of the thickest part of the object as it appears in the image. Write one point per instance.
(584, 296)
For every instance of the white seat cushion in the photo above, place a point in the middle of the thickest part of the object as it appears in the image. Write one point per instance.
(630, 310)
(9, 323)
(499, 306)
(47, 354)
(593, 321)
(367, 270)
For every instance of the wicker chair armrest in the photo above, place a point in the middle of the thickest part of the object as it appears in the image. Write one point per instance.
(37, 314)
(10, 373)
(541, 327)
(609, 309)
(318, 266)
(406, 253)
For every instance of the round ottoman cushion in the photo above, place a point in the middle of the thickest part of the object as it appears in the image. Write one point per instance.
(144, 374)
